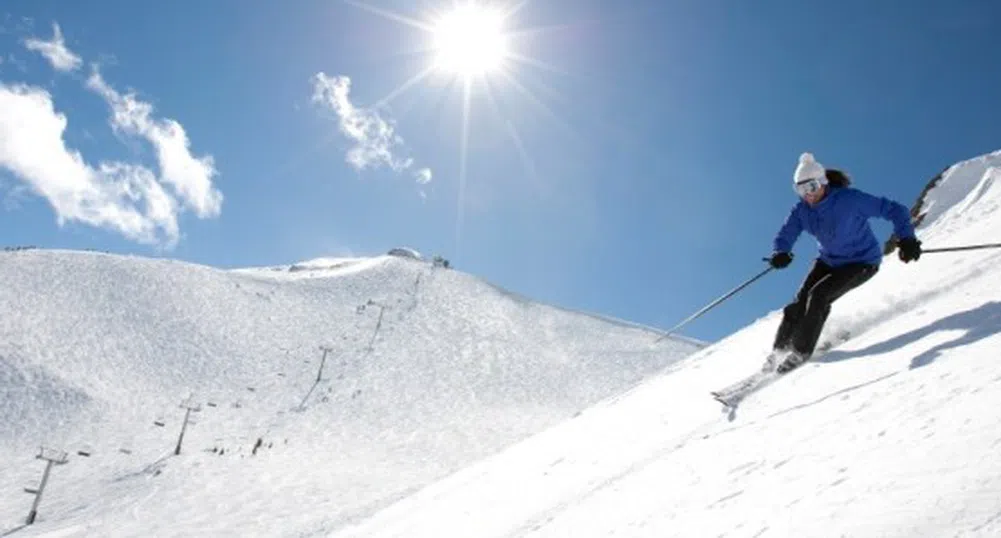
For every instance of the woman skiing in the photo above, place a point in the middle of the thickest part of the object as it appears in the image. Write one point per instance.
(837, 215)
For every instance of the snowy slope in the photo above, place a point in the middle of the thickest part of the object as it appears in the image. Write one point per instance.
(959, 187)
(427, 370)
(896, 432)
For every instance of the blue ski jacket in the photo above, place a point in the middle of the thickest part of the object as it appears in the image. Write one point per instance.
(840, 223)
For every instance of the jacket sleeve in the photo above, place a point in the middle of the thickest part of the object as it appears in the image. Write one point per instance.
(789, 232)
(895, 212)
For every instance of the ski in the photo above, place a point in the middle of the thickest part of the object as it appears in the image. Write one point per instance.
(732, 395)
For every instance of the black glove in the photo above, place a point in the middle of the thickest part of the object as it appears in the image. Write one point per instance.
(910, 249)
(780, 260)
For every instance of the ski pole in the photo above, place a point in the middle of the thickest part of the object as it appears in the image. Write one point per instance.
(713, 304)
(954, 249)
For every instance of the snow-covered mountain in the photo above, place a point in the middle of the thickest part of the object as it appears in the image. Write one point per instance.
(424, 370)
(896, 432)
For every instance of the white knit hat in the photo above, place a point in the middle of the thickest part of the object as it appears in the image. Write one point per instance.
(809, 168)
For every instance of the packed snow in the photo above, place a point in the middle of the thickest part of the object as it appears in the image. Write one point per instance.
(325, 389)
(481, 414)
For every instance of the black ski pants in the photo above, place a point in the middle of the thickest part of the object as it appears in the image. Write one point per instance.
(804, 318)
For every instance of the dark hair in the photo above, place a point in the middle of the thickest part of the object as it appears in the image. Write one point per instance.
(837, 178)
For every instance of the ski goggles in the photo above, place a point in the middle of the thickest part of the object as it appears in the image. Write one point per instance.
(808, 186)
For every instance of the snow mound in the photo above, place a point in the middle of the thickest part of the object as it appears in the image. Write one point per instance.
(36, 400)
(324, 397)
(406, 252)
(314, 268)
(951, 193)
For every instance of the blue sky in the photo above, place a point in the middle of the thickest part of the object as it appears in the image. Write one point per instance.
(635, 160)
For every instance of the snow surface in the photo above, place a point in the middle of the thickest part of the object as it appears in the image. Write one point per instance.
(961, 185)
(895, 432)
(317, 267)
(428, 370)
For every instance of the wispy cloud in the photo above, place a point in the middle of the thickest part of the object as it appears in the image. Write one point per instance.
(55, 51)
(128, 198)
(15, 62)
(189, 176)
(374, 138)
(423, 178)
(123, 197)
(10, 24)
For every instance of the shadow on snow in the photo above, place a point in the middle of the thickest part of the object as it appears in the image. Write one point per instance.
(978, 323)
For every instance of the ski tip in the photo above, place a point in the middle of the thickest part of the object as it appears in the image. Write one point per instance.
(722, 400)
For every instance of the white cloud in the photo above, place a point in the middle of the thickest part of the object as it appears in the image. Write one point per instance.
(423, 178)
(55, 51)
(374, 137)
(16, 192)
(189, 176)
(127, 198)
(122, 197)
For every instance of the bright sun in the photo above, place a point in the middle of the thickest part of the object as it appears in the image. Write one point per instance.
(470, 41)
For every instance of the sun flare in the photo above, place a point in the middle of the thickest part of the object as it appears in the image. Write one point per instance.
(481, 45)
(470, 41)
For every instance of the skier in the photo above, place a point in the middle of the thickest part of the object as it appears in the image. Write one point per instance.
(837, 215)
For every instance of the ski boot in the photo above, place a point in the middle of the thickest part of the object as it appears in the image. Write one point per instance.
(794, 360)
(774, 359)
